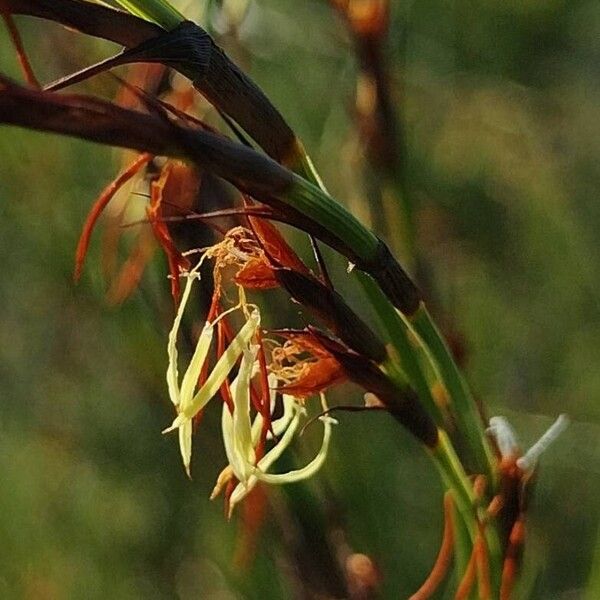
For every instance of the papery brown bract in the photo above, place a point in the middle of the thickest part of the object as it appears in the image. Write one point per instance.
(316, 377)
(274, 244)
(317, 372)
(332, 309)
(401, 401)
(256, 274)
(130, 273)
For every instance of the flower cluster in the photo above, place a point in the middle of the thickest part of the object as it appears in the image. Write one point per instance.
(252, 438)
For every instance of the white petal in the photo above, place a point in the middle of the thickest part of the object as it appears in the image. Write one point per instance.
(177, 422)
(241, 490)
(242, 435)
(280, 425)
(223, 367)
(222, 480)
(305, 472)
(284, 441)
(172, 369)
(227, 432)
(190, 379)
(505, 436)
(185, 444)
(528, 461)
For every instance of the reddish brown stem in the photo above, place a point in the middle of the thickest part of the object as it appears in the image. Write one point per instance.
(100, 204)
(222, 338)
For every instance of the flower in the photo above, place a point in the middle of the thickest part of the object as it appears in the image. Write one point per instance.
(242, 434)
(241, 437)
(185, 398)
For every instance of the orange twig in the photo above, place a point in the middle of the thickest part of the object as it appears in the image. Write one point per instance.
(223, 335)
(509, 570)
(483, 567)
(466, 583)
(174, 258)
(478, 566)
(444, 557)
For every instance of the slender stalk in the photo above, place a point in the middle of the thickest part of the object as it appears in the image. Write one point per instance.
(399, 336)
(304, 192)
(443, 454)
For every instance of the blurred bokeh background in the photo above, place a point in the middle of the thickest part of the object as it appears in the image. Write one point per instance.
(500, 107)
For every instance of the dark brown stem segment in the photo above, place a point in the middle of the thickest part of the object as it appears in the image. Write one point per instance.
(232, 93)
(251, 172)
(401, 402)
(331, 308)
(380, 130)
(212, 72)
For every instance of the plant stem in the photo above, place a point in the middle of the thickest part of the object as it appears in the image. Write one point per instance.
(399, 336)
(465, 410)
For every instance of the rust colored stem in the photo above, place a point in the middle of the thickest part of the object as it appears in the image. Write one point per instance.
(509, 570)
(100, 204)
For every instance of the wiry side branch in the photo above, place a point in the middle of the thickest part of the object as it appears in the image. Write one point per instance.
(212, 72)
(251, 172)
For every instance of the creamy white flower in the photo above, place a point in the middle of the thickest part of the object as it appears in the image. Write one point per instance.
(240, 438)
(186, 400)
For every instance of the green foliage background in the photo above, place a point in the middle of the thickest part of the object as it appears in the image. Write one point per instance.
(503, 120)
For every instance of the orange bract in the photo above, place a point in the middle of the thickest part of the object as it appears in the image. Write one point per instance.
(172, 184)
(180, 188)
(131, 272)
(275, 246)
(100, 204)
(173, 193)
(305, 376)
(256, 274)
(316, 377)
